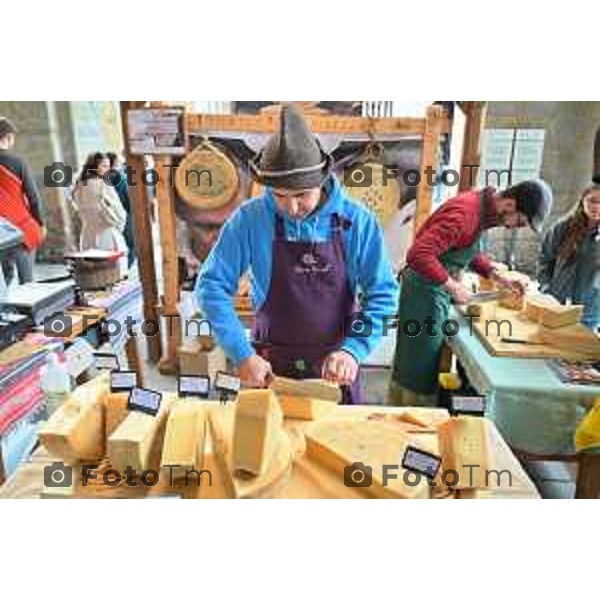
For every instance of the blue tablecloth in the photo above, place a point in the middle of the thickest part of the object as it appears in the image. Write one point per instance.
(533, 409)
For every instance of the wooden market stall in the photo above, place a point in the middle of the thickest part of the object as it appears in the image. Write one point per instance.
(429, 129)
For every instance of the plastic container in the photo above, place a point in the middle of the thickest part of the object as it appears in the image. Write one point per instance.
(55, 382)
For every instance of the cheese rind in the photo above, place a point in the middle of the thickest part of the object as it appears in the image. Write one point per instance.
(184, 438)
(463, 442)
(309, 388)
(75, 431)
(137, 441)
(303, 408)
(257, 427)
(338, 445)
(547, 311)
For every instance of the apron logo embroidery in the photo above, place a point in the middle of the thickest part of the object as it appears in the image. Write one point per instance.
(311, 264)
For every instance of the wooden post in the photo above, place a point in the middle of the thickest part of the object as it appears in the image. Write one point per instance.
(475, 113)
(588, 475)
(142, 229)
(168, 241)
(429, 160)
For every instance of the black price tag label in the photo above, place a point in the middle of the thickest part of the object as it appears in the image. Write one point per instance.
(224, 382)
(144, 400)
(421, 461)
(192, 385)
(468, 405)
(106, 362)
(122, 381)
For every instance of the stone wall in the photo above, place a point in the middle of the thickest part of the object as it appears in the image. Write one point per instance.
(61, 132)
(567, 162)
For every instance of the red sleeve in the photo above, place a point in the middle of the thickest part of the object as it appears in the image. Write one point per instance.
(482, 265)
(435, 238)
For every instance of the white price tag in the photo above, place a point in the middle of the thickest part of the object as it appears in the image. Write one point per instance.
(121, 381)
(471, 405)
(106, 362)
(423, 462)
(191, 385)
(227, 383)
(144, 400)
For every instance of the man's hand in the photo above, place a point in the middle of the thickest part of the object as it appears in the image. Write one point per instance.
(255, 372)
(44, 232)
(340, 367)
(457, 290)
(512, 285)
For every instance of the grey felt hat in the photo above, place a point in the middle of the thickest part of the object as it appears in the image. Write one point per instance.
(292, 158)
(534, 199)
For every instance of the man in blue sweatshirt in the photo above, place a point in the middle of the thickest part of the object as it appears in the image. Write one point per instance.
(310, 251)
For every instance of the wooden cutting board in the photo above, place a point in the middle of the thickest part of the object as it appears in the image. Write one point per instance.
(527, 342)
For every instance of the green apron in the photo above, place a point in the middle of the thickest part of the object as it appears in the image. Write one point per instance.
(417, 359)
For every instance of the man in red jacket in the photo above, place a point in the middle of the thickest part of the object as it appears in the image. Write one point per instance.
(447, 243)
(20, 204)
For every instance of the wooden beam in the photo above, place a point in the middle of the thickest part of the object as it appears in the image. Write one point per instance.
(475, 113)
(429, 160)
(168, 241)
(142, 231)
(268, 123)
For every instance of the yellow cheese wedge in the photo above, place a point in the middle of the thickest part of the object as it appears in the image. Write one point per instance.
(184, 438)
(75, 431)
(258, 425)
(512, 301)
(137, 441)
(340, 444)
(304, 408)
(310, 388)
(116, 411)
(463, 442)
(547, 311)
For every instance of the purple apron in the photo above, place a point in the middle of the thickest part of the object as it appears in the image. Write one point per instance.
(309, 301)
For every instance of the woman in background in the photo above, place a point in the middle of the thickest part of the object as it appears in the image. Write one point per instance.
(100, 211)
(570, 257)
(117, 163)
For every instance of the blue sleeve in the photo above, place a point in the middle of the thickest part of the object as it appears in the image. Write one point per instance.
(218, 283)
(375, 279)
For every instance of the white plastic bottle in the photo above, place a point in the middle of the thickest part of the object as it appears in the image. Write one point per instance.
(55, 382)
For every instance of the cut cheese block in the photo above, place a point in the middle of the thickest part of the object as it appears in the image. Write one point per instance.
(575, 339)
(311, 388)
(218, 458)
(116, 410)
(184, 438)
(512, 301)
(463, 442)
(75, 431)
(304, 407)
(258, 424)
(547, 311)
(340, 444)
(137, 441)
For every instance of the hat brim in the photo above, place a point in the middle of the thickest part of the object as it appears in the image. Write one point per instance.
(298, 179)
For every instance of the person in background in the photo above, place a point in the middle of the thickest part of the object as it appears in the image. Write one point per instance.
(445, 245)
(569, 264)
(117, 163)
(20, 203)
(100, 211)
